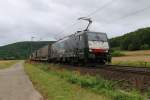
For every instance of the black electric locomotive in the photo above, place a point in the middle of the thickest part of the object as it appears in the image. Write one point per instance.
(82, 47)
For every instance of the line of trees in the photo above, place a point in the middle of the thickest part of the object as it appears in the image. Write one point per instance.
(21, 50)
(138, 40)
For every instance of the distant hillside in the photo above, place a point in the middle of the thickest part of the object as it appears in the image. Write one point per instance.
(20, 50)
(137, 40)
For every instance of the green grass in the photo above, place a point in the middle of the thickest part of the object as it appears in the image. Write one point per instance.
(148, 94)
(6, 63)
(53, 87)
(117, 54)
(132, 63)
(95, 84)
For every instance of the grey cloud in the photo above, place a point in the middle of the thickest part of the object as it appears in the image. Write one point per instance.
(45, 19)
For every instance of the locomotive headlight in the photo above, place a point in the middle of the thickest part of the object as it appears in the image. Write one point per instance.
(106, 51)
(90, 50)
(90, 44)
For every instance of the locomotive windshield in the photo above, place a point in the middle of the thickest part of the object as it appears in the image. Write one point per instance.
(97, 37)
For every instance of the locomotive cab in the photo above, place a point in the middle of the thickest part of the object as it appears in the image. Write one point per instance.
(98, 47)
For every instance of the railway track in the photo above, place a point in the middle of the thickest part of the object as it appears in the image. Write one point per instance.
(122, 68)
(131, 76)
(137, 70)
(129, 69)
(137, 77)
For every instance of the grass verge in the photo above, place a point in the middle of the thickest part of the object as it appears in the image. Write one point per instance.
(95, 84)
(6, 63)
(132, 63)
(117, 54)
(54, 87)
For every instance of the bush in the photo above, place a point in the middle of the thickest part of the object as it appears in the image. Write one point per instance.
(115, 49)
(145, 47)
(117, 54)
(87, 81)
(131, 47)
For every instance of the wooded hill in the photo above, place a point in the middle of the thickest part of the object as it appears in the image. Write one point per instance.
(137, 40)
(140, 39)
(20, 50)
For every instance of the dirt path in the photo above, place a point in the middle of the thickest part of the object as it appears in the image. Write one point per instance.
(15, 84)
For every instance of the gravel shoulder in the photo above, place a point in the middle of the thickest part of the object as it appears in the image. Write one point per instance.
(15, 84)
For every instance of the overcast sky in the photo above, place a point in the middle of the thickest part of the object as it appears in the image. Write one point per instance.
(47, 19)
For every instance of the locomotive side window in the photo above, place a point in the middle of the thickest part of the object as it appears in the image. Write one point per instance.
(80, 37)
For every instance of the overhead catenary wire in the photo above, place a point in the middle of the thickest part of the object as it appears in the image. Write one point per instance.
(92, 13)
(100, 8)
(41, 38)
(68, 28)
(129, 14)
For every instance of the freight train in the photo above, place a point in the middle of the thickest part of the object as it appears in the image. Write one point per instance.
(82, 47)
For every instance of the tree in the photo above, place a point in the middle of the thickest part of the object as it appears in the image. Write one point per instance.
(133, 41)
(145, 47)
